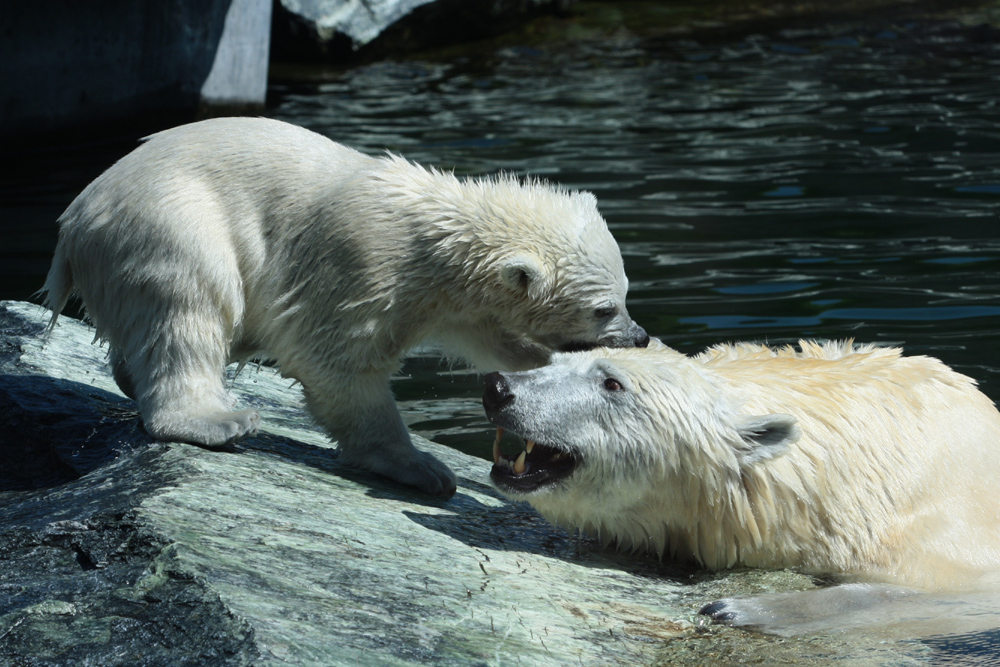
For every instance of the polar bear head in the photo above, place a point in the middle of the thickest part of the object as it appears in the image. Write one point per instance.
(627, 443)
(565, 278)
(538, 270)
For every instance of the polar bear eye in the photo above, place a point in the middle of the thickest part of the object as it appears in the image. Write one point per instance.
(612, 384)
(605, 312)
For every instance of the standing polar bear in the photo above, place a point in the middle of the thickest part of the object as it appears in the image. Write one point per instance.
(236, 238)
(831, 460)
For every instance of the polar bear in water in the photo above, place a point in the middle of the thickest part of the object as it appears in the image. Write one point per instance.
(237, 238)
(855, 462)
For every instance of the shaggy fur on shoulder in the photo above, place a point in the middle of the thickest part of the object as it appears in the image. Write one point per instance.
(832, 459)
(237, 238)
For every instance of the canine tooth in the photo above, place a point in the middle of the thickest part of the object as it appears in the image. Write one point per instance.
(519, 465)
(499, 434)
(529, 446)
(496, 452)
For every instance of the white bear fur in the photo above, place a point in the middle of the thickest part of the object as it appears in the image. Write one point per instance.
(833, 459)
(237, 238)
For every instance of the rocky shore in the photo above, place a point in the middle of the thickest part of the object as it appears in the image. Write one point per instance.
(117, 550)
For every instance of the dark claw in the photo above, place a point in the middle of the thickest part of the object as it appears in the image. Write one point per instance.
(717, 612)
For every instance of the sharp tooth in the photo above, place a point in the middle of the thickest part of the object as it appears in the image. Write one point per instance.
(519, 466)
(499, 435)
(529, 446)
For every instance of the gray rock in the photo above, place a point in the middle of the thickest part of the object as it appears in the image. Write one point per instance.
(238, 77)
(117, 550)
(337, 29)
(361, 21)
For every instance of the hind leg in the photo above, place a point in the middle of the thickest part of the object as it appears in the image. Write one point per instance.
(175, 370)
(119, 370)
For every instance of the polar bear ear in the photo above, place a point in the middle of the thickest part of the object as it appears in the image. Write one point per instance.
(522, 273)
(766, 436)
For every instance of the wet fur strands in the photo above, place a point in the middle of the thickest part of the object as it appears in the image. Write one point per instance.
(832, 459)
(237, 238)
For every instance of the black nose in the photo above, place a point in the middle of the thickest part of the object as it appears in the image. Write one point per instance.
(641, 338)
(497, 393)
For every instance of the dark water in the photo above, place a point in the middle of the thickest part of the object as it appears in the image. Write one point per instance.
(822, 184)
(830, 183)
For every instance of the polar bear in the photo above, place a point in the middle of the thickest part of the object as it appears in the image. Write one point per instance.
(238, 238)
(855, 462)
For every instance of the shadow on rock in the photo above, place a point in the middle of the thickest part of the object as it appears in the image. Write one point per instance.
(506, 528)
(516, 527)
(326, 459)
(55, 431)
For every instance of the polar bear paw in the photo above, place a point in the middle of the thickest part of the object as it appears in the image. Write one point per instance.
(213, 429)
(427, 474)
(819, 610)
(412, 468)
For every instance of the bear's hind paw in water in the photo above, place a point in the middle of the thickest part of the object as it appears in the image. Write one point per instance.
(820, 610)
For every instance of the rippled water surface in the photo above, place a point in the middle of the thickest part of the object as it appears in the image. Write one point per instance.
(831, 183)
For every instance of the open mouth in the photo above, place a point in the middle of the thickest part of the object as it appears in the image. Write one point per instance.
(534, 467)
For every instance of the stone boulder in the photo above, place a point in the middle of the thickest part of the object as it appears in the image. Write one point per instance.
(118, 550)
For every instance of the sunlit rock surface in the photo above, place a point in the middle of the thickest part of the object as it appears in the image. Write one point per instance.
(359, 21)
(116, 550)
(335, 29)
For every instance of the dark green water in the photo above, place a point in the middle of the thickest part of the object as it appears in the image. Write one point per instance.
(831, 183)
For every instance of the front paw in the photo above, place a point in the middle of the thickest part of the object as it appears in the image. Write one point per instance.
(431, 476)
(819, 610)
(214, 429)
(403, 464)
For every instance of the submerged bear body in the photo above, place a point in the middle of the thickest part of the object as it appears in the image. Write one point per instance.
(833, 459)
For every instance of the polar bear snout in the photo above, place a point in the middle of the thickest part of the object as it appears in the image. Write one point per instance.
(635, 336)
(497, 394)
(639, 336)
(538, 466)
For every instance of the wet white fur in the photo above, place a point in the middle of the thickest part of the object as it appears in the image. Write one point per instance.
(831, 460)
(235, 238)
